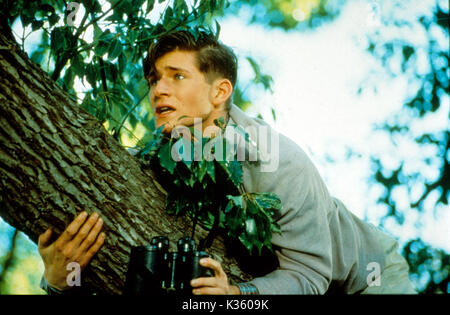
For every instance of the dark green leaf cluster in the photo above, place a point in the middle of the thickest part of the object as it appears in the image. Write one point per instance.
(35, 13)
(250, 218)
(204, 179)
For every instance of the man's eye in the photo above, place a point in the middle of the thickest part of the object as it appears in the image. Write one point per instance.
(179, 76)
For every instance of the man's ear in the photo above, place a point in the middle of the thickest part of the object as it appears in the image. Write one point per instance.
(221, 92)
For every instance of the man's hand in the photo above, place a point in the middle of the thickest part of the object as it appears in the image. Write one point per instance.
(213, 285)
(78, 243)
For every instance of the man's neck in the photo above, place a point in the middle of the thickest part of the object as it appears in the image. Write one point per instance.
(209, 127)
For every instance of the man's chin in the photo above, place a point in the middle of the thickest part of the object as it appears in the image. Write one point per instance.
(167, 129)
(169, 126)
(166, 124)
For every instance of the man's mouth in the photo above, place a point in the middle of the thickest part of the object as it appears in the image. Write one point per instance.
(163, 110)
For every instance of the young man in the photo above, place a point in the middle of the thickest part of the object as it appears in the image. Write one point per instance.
(322, 248)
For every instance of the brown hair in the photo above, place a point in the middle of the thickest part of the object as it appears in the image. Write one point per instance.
(214, 59)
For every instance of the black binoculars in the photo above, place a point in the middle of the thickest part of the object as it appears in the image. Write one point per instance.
(154, 270)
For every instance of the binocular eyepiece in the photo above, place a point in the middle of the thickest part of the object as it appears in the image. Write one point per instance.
(154, 269)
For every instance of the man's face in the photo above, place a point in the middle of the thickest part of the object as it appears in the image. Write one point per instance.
(179, 92)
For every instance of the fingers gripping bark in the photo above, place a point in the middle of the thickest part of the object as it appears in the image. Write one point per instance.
(80, 241)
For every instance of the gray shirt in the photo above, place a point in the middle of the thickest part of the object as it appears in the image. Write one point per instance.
(322, 243)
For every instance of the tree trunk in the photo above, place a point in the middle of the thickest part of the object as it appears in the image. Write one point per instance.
(57, 160)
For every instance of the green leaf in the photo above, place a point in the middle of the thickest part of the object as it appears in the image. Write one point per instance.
(46, 8)
(68, 79)
(255, 66)
(77, 65)
(150, 5)
(168, 18)
(227, 209)
(91, 74)
(210, 169)
(220, 122)
(268, 200)
(92, 5)
(36, 24)
(115, 49)
(97, 32)
(236, 201)
(212, 5)
(172, 204)
(246, 242)
(165, 158)
(107, 36)
(57, 40)
(276, 228)
(253, 208)
(202, 168)
(53, 19)
(112, 72)
(407, 51)
(264, 79)
(217, 30)
(250, 227)
(26, 18)
(274, 114)
(234, 219)
(101, 48)
(122, 63)
(236, 172)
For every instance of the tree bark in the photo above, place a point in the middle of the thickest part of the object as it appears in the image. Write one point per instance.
(57, 160)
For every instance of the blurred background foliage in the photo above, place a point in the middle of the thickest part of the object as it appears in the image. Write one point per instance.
(425, 178)
(94, 49)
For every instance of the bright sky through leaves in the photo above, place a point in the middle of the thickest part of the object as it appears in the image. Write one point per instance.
(316, 77)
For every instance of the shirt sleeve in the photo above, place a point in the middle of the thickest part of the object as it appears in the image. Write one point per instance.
(304, 248)
(75, 291)
(49, 289)
(247, 288)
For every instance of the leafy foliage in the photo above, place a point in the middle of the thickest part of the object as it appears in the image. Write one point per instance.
(425, 64)
(100, 44)
(428, 266)
(203, 178)
(428, 93)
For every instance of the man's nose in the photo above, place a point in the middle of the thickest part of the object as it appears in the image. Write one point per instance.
(161, 88)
